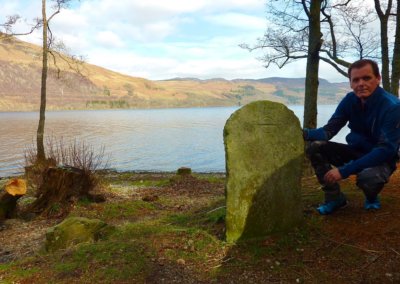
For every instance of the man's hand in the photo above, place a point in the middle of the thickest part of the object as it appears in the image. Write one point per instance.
(305, 134)
(332, 176)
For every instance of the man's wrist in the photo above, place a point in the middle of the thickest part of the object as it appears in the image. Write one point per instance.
(305, 134)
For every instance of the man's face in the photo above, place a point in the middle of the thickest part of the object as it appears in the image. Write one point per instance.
(363, 81)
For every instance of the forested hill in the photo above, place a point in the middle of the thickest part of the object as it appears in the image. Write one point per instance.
(99, 88)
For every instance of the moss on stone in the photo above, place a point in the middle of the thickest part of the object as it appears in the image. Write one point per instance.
(75, 230)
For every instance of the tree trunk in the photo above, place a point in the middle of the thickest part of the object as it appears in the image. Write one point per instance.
(314, 46)
(41, 157)
(396, 56)
(383, 19)
(385, 55)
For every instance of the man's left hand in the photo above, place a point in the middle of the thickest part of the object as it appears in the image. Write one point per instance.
(333, 176)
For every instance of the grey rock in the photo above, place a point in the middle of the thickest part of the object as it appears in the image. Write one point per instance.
(264, 152)
(75, 230)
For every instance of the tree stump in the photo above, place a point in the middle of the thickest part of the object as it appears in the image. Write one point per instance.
(183, 171)
(12, 191)
(60, 187)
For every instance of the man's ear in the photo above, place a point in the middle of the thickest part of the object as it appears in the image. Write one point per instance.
(379, 78)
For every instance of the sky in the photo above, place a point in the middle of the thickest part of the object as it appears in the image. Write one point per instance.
(158, 40)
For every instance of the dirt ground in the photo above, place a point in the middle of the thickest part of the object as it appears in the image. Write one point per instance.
(349, 246)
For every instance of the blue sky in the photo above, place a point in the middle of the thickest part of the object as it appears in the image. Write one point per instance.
(157, 39)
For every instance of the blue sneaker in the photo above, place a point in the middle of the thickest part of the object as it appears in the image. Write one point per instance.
(372, 205)
(331, 206)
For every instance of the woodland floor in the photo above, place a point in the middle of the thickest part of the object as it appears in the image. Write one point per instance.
(171, 230)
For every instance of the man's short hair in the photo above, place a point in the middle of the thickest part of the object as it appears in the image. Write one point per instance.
(363, 62)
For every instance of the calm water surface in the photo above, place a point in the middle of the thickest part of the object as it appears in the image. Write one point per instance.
(148, 140)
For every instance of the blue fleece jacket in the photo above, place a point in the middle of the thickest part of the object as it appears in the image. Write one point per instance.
(374, 129)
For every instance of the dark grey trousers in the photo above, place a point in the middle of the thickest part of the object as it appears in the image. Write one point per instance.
(324, 154)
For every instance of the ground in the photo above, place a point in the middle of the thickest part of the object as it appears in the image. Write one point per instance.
(171, 230)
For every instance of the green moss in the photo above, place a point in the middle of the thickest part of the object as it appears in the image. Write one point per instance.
(75, 230)
(264, 157)
(108, 260)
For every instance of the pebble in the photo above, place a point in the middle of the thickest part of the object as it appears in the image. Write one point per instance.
(181, 261)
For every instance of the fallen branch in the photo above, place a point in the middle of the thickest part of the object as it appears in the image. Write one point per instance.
(353, 246)
(369, 263)
(392, 249)
(215, 209)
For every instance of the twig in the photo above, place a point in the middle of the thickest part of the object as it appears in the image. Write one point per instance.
(392, 249)
(308, 272)
(310, 194)
(382, 214)
(369, 263)
(226, 260)
(360, 248)
(215, 209)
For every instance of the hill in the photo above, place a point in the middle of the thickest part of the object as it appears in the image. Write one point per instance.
(99, 88)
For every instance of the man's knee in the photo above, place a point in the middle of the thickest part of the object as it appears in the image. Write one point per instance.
(373, 179)
(314, 148)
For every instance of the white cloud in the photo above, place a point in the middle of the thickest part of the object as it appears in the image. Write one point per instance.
(68, 21)
(240, 21)
(109, 39)
(164, 39)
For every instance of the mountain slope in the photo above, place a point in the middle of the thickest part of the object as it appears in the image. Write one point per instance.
(99, 88)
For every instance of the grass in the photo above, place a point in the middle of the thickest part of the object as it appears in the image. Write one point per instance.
(142, 183)
(104, 261)
(180, 238)
(121, 210)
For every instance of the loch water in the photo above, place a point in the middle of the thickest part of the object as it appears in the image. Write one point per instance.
(135, 140)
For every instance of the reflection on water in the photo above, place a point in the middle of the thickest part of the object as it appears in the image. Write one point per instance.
(148, 140)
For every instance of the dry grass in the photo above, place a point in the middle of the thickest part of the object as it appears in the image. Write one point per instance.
(77, 154)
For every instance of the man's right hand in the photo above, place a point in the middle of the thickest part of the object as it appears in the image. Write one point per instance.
(305, 134)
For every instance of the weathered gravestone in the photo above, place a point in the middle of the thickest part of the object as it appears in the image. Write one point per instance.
(264, 156)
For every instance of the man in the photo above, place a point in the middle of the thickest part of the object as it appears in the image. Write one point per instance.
(373, 116)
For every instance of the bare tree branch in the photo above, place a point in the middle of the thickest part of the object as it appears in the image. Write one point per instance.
(334, 65)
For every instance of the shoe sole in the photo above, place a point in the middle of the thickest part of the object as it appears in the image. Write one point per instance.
(336, 209)
(372, 208)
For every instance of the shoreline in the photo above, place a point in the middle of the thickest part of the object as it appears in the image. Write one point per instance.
(132, 172)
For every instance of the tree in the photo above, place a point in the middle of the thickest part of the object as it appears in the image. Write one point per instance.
(49, 47)
(390, 65)
(396, 56)
(48, 41)
(41, 156)
(344, 33)
(296, 33)
(314, 47)
(384, 20)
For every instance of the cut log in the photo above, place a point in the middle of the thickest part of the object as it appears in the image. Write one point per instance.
(9, 195)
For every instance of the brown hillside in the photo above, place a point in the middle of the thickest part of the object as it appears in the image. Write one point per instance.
(99, 88)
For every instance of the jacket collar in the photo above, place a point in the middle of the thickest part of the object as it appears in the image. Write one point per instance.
(372, 98)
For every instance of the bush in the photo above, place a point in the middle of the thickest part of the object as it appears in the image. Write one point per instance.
(77, 154)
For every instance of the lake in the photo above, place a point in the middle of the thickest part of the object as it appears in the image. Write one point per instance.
(136, 140)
